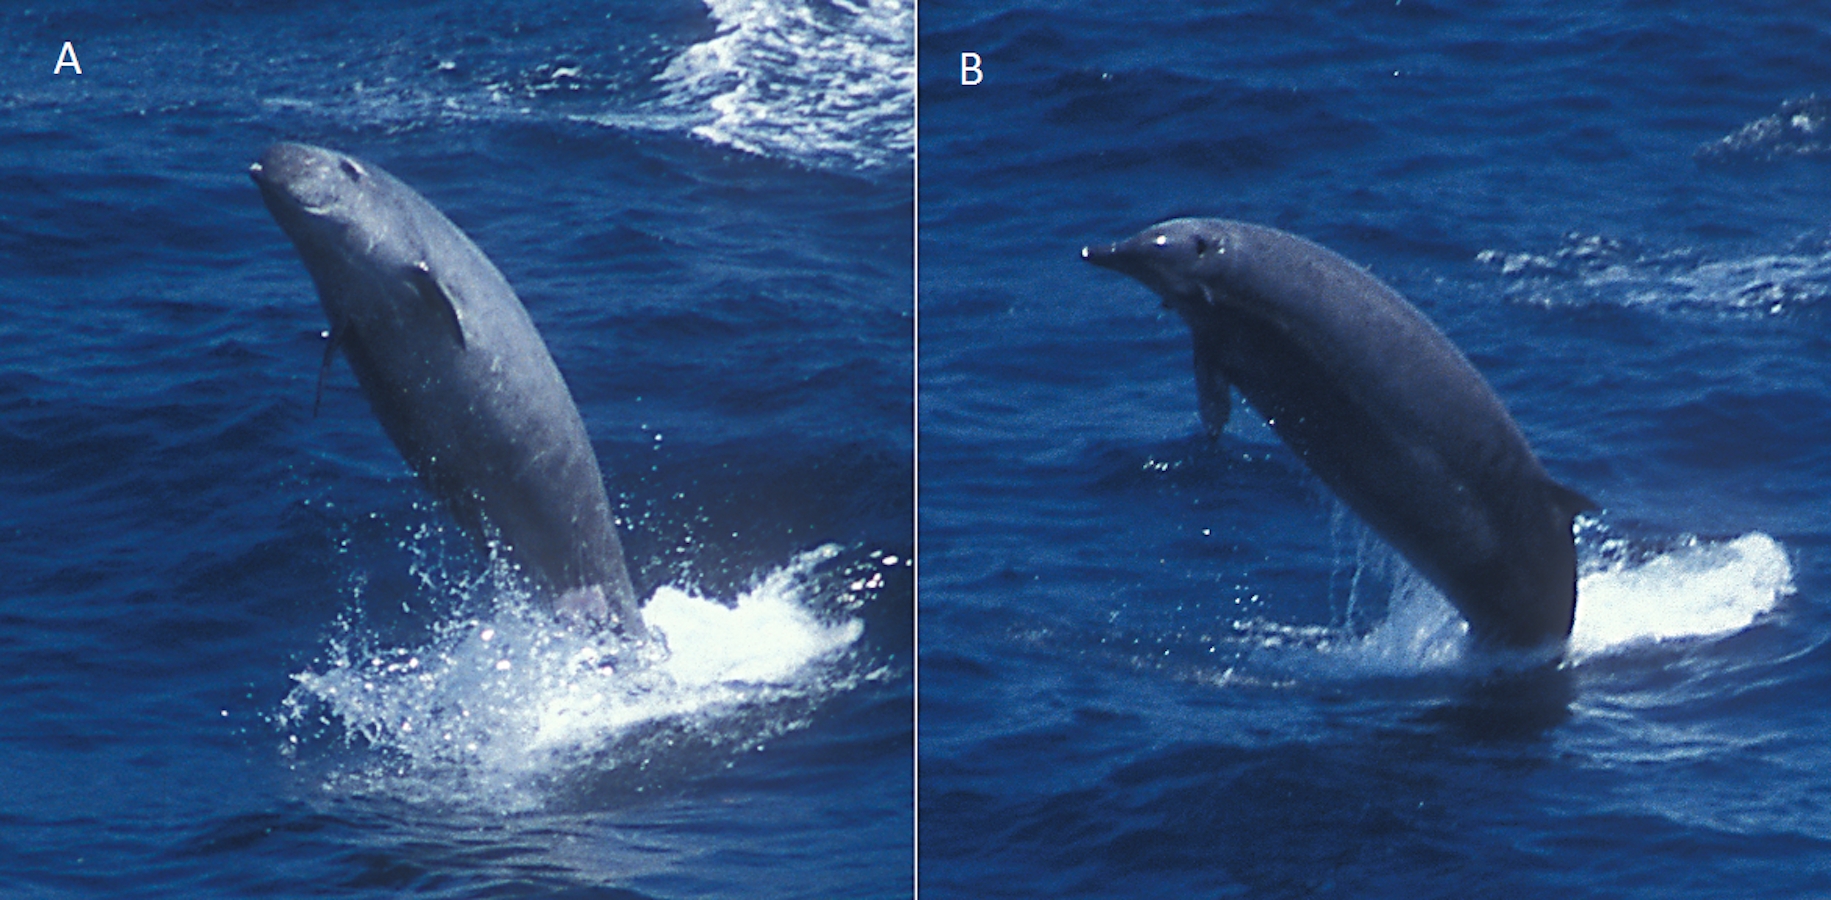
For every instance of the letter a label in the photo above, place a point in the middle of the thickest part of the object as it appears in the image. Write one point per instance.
(67, 58)
(970, 73)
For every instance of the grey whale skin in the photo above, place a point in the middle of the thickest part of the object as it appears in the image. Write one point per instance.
(1380, 405)
(456, 373)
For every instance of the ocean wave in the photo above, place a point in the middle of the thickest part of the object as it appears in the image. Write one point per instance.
(1590, 269)
(822, 82)
(1801, 127)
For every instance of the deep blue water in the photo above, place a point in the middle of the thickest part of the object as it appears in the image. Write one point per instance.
(1155, 665)
(244, 654)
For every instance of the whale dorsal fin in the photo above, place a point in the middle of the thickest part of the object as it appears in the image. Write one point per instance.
(438, 299)
(1569, 499)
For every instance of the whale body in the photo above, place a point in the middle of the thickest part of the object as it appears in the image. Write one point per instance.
(1380, 405)
(456, 373)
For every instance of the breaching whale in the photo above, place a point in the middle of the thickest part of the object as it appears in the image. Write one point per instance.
(1380, 405)
(456, 373)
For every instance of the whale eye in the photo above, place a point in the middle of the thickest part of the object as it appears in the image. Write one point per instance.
(1201, 246)
(353, 170)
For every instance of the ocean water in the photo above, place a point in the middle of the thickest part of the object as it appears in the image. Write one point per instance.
(1152, 664)
(246, 655)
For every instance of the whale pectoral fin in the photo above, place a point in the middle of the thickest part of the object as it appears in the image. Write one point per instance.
(1213, 393)
(1569, 500)
(438, 299)
(324, 369)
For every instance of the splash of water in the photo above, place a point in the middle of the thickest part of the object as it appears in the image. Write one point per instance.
(1696, 590)
(491, 710)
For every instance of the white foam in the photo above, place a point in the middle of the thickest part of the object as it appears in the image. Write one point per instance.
(1698, 589)
(822, 83)
(815, 81)
(491, 707)
(764, 639)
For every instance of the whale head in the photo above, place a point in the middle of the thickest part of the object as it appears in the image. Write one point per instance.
(334, 205)
(1186, 261)
(374, 247)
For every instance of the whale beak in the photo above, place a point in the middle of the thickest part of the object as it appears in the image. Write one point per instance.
(1124, 257)
(1106, 257)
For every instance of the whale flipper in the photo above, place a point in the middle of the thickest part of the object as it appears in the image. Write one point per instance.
(1213, 392)
(438, 300)
(324, 367)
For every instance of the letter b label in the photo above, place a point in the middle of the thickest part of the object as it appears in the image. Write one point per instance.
(970, 73)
